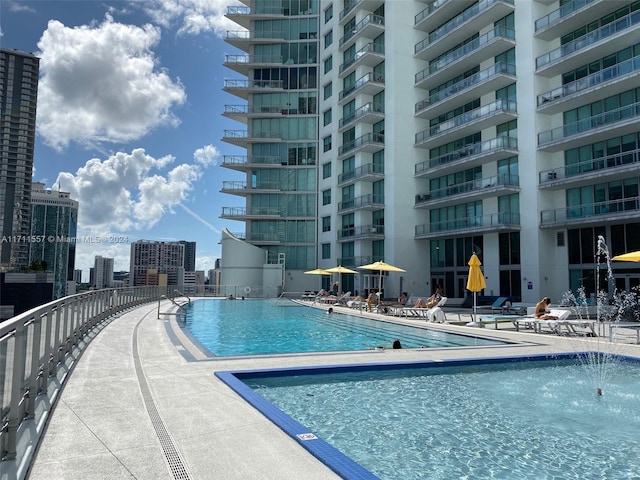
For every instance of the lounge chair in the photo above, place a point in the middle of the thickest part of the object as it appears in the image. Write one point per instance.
(343, 299)
(436, 314)
(499, 306)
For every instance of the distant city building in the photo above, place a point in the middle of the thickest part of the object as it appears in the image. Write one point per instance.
(54, 221)
(165, 257)
(92, 276)
(19, 73)
(120, 279)
(189, 255)
(77, 276)
(193, 283)
(20, 292)
(103, 272)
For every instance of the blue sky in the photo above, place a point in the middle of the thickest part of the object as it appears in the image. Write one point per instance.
(129, 117)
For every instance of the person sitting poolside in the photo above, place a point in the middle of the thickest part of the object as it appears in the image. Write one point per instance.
(434, 299)
(420, 303)
(541, 311)
(372, 299)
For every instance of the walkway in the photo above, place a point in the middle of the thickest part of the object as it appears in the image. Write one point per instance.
(142, 403)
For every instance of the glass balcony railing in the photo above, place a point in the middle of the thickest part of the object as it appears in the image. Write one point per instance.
(593, 80)
(361, 172)
(233, 84)
(254, 211)
(362, 111)
(557, 15)
(580, 212)
(500, 68)
(475, 149)
(367, 139)
(589, 39)
(498, 32)
(455, 23)
(503, 104)
(369, 200)
(242, 185)
(254, 35)
(601, 166)
(590, 123)
(362, 231)
(433, 6)
(361, 82)
(368, 48)
(247, 59)
(472, 186)
(370, 19)
(348, 6)
(473, 222)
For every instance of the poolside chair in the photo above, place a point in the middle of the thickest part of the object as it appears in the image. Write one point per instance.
(436, 314)
(499, 306)
(343, 299)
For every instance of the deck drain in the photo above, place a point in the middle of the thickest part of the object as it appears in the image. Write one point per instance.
(171, 454)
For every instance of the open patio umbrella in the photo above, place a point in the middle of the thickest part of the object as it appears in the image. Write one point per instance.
(475, 283)
(628, 257)
(340, 270)
(317, 271)
(382, 267)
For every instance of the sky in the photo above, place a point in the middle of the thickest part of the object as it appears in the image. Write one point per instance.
(129, 118)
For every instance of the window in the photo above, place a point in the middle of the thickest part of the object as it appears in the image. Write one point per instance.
(326, 224)
(328, 13)
(326, 250)
(326, 197)
(326, 170)
(327, 117)
(328, 39)
(328, 90)
(328, 64)
(326, 141)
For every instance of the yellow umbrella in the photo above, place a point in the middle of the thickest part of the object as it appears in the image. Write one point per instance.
(317, 271)
(475, 283)
(382, 267)
(628, 257)
(340, 270)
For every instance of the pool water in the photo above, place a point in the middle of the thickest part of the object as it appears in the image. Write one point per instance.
(528, 420)
(261, 327)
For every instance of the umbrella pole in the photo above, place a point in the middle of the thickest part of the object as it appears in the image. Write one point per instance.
(475, 306)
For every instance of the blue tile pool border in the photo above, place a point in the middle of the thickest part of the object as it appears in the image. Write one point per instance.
(330, 456)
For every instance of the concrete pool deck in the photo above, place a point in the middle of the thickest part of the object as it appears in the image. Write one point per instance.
(142, 403)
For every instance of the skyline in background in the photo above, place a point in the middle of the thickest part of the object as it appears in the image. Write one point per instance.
(129, 118)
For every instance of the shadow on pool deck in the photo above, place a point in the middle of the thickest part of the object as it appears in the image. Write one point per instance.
(141, 405)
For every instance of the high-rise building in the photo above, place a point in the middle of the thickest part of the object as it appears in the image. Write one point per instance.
(77, 275)
(103, 272)
(18, 100)
(52, 237)
(164, 258)
(189, 255)
(506, 128)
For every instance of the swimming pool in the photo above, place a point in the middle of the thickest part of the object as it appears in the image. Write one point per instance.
(261, 327)
(485, 418)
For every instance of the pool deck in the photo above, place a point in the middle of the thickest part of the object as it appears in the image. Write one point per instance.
(143, 403)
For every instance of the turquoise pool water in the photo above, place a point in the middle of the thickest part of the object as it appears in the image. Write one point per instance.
(261, 327)
(524, 420)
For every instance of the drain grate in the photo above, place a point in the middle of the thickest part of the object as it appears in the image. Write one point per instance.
(171, 454)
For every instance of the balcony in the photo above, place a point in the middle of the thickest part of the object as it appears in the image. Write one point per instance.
(242, 88)
(243, 39)
(243, 63)
(241, 188)
(590, 47)
(573, 15)
(370, 55)
(612, 211)
(476, 225)
(605, 83)
(500, 111)
(241, 138)
(367, 113)
(459, 28)
(438, 12)
(470, 156)
(462, 59)
(470, 191)
(352, 6)
(244, 16)
(364, 232)
(486, 81)
(369, 84)
(620, 121)
(370, 201)
(370, 172)
(370, 142)
(242, 163)
(369, 27)
(242, 213)
(603, 169)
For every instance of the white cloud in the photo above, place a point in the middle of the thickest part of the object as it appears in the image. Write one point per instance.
(193, 16)
(100, 83)
(207, 155)
(122, 193)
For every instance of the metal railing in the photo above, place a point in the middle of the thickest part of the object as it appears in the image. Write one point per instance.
(37, 349)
